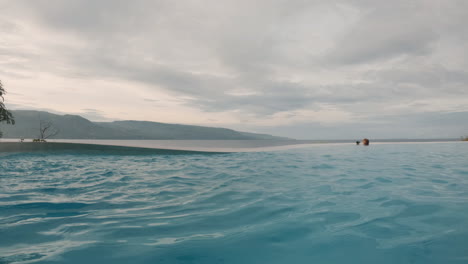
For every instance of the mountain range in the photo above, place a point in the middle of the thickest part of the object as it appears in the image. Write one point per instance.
(76, 127)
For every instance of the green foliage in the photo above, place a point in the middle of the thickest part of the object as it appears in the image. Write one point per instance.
(5, 115)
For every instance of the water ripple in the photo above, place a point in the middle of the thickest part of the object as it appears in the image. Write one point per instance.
(386, 204)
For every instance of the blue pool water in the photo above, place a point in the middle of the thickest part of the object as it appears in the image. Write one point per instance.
(388, 203)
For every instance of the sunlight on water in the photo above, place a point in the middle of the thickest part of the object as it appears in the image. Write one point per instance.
(389, 203)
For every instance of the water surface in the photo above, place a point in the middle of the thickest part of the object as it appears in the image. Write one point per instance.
(387, 203)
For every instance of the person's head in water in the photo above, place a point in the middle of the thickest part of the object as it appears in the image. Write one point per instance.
(357, 142)
(365, 142)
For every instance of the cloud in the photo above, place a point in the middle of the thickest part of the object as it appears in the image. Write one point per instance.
(269, 62)
(385, 31)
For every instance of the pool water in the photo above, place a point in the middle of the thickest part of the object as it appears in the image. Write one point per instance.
(387, 203)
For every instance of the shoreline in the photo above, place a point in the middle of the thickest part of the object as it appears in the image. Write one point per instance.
(171, 147)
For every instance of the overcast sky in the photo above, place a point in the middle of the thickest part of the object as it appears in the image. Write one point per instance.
(297, 68)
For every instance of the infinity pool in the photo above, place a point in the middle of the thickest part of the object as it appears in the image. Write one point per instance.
(387, 203)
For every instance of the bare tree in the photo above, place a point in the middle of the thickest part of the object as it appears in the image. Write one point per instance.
(47, 130)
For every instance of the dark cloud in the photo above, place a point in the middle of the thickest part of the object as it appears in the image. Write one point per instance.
(434, 80)
(387, 30)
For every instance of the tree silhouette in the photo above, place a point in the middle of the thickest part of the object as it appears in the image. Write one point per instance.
(5, 115)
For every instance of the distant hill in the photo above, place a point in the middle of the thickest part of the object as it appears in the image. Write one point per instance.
(77, 127)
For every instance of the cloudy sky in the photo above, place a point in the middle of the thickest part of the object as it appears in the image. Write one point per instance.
(299, 68)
